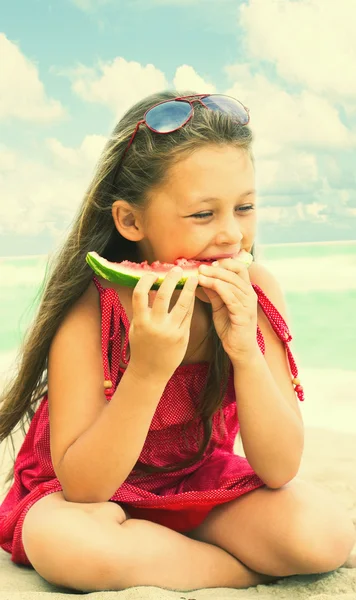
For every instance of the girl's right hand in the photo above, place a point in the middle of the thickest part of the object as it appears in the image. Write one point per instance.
(158, 338)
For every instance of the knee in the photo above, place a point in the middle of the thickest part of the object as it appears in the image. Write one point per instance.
(75, 549)
(69, 559)
(323, 547)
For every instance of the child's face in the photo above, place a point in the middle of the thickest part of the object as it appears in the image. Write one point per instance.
(172, 230)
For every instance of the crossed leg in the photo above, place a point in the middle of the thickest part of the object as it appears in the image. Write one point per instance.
(296, 529)
(96, 546)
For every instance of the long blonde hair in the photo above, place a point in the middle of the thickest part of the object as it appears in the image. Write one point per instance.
(68, 275)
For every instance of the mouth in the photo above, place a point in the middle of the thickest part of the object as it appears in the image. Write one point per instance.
(211, 259)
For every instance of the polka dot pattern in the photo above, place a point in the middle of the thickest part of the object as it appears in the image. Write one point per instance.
(180, 500)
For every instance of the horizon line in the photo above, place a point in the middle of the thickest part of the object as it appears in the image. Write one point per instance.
(274, 245)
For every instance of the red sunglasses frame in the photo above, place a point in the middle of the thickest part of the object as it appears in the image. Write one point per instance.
(196, 98)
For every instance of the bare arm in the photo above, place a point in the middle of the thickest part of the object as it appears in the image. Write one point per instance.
(100, 460)
(94, 444)
(271, 432)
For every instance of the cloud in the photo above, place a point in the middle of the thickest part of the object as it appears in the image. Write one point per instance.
(282, 119)
(292, 131)
(186, 78)
(290, 173)
(7, 159)
(22, 94)
(310, 42)
(117, 84)
(299, 212)
(302, 119)
(45, 196)
(84, 157)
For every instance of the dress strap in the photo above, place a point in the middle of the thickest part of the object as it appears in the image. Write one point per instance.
(281, 328)
(261, 340)
(112, 313)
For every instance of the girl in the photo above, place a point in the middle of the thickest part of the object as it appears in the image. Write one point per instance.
(127, 475)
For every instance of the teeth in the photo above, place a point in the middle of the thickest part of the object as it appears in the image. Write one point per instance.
(244, 257)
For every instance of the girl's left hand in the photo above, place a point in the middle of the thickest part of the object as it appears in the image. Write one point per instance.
(234, 306)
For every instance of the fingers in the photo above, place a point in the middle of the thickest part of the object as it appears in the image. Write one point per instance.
(239, 267)
(224, 273)
(184, 305)
(182, 312)
(164, 295)
(140, 294)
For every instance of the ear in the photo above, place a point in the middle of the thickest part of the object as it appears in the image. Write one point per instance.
(128, 221)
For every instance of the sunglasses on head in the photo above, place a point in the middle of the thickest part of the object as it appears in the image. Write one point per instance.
(171, 115)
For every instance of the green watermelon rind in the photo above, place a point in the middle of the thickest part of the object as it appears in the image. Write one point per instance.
(130, 279)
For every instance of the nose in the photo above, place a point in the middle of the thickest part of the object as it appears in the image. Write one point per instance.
(230, 233)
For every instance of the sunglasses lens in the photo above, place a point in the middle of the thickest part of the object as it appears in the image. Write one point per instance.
(228, 105)
(168, 116)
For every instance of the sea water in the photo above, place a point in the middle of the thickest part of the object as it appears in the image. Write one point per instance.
(319, 284)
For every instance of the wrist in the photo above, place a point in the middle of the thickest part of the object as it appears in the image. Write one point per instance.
(247, 359)
(139, 375)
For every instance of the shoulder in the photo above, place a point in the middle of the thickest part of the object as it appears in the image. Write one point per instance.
(86, 309)
(261, 276)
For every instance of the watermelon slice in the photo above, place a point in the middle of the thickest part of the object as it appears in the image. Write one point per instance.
(128, 273)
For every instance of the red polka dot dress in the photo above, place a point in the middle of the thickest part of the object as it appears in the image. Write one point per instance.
(181, 499)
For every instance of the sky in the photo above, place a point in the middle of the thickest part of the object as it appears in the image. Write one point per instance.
(70, 69)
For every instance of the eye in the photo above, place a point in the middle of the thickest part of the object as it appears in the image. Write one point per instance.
(208, 214)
